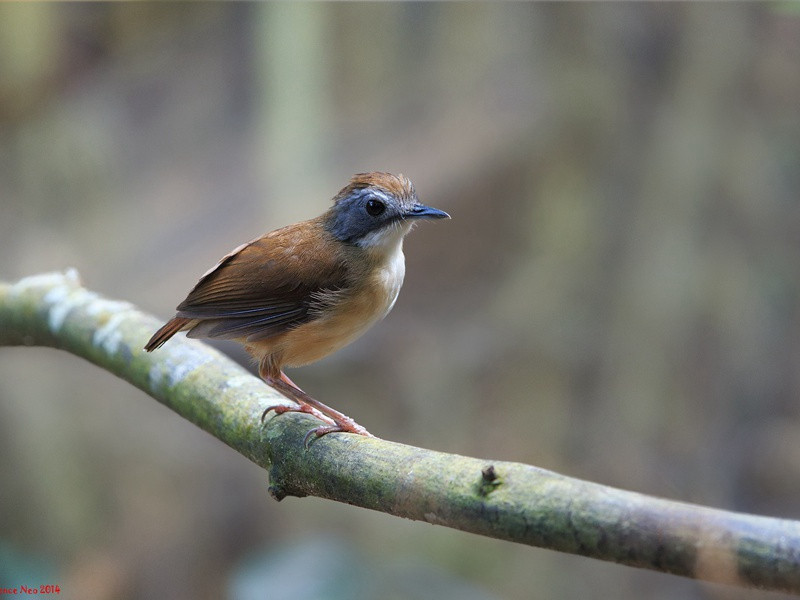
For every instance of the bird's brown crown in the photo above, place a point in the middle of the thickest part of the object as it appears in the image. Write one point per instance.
(398, 185)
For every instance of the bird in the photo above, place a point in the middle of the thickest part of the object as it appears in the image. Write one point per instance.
(304, 291)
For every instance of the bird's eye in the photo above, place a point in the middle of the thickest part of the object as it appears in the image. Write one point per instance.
(375, 207)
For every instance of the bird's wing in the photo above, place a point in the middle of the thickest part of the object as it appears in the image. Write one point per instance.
(265, 287)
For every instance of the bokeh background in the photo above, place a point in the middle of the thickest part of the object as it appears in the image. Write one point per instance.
(617, 296)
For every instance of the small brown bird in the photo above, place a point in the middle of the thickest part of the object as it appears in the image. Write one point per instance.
(299, 293)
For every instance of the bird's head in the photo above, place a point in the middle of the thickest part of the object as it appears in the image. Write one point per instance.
(376, 210)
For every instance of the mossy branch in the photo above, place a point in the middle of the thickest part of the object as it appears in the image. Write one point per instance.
(504, 500)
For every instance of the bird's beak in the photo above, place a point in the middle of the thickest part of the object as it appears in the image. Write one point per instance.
(420, 211)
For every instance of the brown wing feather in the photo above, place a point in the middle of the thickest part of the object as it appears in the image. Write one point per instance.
(172, 327)
(265, 287)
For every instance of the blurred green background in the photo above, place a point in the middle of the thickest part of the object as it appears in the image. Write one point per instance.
(616, 297)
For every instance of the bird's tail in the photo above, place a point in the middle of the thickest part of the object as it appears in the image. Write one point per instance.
(172, 327)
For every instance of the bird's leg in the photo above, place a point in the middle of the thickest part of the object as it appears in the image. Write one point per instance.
(267, 370)
(337, 421)
(290, 390)
(279, 409)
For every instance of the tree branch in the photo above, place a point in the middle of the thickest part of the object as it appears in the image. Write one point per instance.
(504, 500)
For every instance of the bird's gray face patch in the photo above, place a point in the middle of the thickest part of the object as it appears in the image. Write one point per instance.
(365, 215)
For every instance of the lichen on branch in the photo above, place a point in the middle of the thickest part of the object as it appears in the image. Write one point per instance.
(504, 500)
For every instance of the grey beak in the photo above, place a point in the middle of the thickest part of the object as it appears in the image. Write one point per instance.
(420, 211)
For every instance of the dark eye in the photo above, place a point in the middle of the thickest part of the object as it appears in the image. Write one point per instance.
(375, 207)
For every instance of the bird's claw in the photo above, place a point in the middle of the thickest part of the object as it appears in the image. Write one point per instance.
(332, 426)
(344, 427)
(304, 408)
